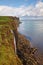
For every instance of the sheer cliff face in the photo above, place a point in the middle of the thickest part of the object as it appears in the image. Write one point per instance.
(7, 47)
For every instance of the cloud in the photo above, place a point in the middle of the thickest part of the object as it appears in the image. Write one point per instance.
(31, 10)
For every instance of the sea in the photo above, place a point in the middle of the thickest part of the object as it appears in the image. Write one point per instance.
(33, 31)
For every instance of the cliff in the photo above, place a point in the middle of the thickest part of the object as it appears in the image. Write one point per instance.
(7, 47)
(24, 54)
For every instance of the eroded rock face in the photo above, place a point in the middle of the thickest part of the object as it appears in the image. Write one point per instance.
(25, 52)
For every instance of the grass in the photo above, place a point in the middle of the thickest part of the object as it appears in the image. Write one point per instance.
(7, 56)
(5, 19)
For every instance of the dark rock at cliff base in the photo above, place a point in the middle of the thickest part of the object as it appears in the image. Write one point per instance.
(25, 52)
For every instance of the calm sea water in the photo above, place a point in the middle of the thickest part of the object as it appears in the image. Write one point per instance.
(33, 30)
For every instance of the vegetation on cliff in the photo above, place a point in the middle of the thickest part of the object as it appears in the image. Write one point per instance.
(7, 48)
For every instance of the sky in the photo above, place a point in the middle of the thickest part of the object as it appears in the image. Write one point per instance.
(21, 8)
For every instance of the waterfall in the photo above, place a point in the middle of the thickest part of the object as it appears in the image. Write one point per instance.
(14, 40)
(15, 44)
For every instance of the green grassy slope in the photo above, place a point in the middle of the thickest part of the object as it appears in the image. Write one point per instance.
(4, 18)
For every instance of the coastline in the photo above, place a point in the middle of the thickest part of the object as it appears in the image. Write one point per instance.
(25, 53)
